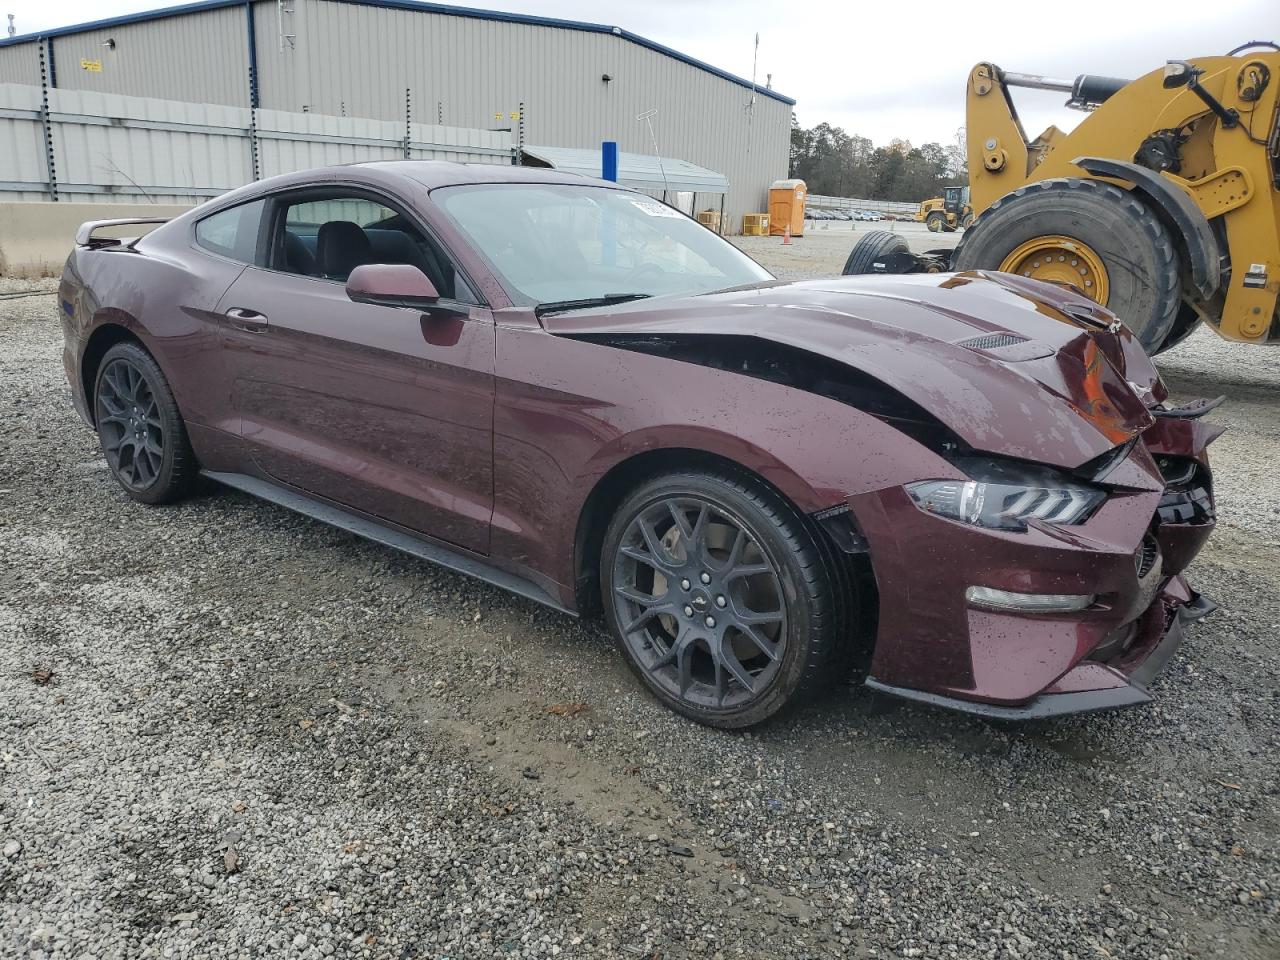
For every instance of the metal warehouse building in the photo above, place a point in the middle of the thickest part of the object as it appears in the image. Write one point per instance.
(552, 83)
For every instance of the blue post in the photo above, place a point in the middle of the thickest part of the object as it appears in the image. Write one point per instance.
(609, 160)
(608, 230)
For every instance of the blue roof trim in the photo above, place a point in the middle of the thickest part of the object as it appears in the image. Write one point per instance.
(420, 6)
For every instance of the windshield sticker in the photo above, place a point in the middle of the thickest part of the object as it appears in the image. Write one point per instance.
(655, 209)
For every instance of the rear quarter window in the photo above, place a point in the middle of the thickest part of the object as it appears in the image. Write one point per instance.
(232, 233)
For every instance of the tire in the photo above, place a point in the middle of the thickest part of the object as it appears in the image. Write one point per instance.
(1184, 325)
(675, 614)
(936, 222)
(1134, 246)
(139, 427)
(966, 221)
(870, 248)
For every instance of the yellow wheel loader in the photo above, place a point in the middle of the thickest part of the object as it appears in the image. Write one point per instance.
(949, 212)
(1163, 204)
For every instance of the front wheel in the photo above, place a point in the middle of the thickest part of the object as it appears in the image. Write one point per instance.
(936, 222)
(721, 598)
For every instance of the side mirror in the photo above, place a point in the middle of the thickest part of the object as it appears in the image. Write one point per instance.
(1178, 73)
(391, 285)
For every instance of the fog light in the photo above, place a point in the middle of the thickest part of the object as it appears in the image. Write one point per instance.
(994, 599)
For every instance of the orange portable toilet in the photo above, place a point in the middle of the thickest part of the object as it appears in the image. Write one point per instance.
(786, 206)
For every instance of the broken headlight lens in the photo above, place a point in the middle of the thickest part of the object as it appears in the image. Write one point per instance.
(1004, 496)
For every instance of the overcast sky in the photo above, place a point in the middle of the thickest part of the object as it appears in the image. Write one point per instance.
(879, 69)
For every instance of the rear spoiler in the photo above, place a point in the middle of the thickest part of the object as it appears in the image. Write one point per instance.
(85, 237)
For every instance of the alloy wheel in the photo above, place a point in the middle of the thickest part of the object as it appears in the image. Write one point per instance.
(130, 425)
(699, 603)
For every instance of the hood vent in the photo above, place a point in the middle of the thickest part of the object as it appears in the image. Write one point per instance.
(992, 341)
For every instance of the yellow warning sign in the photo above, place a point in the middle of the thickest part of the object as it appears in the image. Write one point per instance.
(93, 66)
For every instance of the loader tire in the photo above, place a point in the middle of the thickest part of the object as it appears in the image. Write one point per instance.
(870, 248)
(1133, 246)
(936, 222)
(1184, 325)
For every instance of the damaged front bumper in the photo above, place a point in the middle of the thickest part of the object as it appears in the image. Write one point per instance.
(1091, 686)
(935, 646)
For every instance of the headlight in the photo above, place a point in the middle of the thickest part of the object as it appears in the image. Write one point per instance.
(1004, 496)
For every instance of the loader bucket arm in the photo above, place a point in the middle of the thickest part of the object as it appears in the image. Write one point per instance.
(996, 142)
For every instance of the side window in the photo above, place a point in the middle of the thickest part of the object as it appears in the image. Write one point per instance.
(232, 233)
(330, 236)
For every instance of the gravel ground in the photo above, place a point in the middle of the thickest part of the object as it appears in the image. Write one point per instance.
(227, 731)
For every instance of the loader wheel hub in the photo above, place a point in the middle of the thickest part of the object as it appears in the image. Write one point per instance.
(1059, 259)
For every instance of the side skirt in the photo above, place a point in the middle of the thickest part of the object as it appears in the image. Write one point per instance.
(394, 537)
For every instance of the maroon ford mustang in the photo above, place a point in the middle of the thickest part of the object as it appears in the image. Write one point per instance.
(968, 488)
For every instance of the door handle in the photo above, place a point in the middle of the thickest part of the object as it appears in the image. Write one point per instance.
(250, 320)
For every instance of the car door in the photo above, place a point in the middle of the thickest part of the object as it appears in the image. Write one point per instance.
(388, 410)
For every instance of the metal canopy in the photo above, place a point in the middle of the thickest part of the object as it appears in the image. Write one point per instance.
(639, 170)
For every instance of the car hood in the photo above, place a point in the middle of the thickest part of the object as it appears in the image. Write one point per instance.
(1012, 366)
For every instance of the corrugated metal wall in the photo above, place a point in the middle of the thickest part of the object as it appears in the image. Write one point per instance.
(202, 57)
(204, 148)
(114, 148)
(22, 155)
(20, 63)
(297, 141)
(471, 72)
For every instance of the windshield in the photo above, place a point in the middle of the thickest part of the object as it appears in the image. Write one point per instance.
(553, 243)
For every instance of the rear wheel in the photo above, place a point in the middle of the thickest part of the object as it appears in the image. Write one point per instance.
(1087, 234)
(140, 428)
(936, 221)
(966, 221)
(720, 597)
(870, 248)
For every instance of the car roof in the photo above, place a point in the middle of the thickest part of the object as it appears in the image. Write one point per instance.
(386, 173)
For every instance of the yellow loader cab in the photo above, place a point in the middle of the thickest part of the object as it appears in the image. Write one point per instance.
(1163, 204)
(949, 212)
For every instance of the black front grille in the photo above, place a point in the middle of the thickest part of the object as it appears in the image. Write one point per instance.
(1146, 556)
(992, 341)
(1186, 497)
